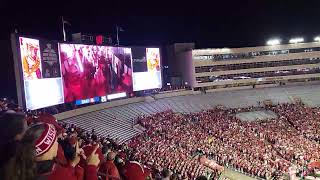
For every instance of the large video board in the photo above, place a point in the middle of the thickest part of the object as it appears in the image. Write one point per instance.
(52, 73)
(93, 71)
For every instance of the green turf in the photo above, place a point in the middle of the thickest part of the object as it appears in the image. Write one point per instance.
(233, 175)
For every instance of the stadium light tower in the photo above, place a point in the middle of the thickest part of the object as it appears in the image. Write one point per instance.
(296, 40)
(317, 39)
(273, 42)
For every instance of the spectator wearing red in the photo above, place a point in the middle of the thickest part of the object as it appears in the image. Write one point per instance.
(88, 149)
(133, 170)
(36, 157)
(50, 119)
(109, 168)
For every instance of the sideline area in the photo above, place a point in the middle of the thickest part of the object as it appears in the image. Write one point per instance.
(233, 175)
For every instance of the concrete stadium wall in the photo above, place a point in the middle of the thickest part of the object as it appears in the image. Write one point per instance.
(97, 107)
(266, 85)
(196, 92)
(229, 89)
(84, 110)
(173, 93)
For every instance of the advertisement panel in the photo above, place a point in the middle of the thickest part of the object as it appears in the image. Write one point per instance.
(139, 59)
(50, 59)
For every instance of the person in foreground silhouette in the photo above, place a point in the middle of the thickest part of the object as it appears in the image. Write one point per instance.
(35, 158)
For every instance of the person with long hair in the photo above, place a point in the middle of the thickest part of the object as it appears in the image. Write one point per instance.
(12, 128)
(35, 157)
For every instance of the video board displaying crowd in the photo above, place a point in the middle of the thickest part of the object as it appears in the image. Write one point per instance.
(56, 73)
(89, 71)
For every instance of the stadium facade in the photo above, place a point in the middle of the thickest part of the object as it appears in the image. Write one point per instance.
(238, 68)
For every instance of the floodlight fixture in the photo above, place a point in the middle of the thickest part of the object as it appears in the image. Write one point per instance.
(317, 39)
(273, 42)
(296, 40)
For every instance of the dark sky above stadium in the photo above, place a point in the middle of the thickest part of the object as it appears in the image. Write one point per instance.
(218, 24)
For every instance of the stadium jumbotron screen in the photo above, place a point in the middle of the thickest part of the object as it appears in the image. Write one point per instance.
(54, 73)
(93, 71)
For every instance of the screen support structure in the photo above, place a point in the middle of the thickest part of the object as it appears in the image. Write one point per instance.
(17, 70)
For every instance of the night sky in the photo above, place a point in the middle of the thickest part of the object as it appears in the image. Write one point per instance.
(219, 24)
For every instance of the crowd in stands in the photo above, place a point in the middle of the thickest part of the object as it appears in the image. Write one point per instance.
(169, 143)
(38, 147)
(265, 149)
(7, 104)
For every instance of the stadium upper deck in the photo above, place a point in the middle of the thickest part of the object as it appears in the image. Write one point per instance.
(224, 68)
